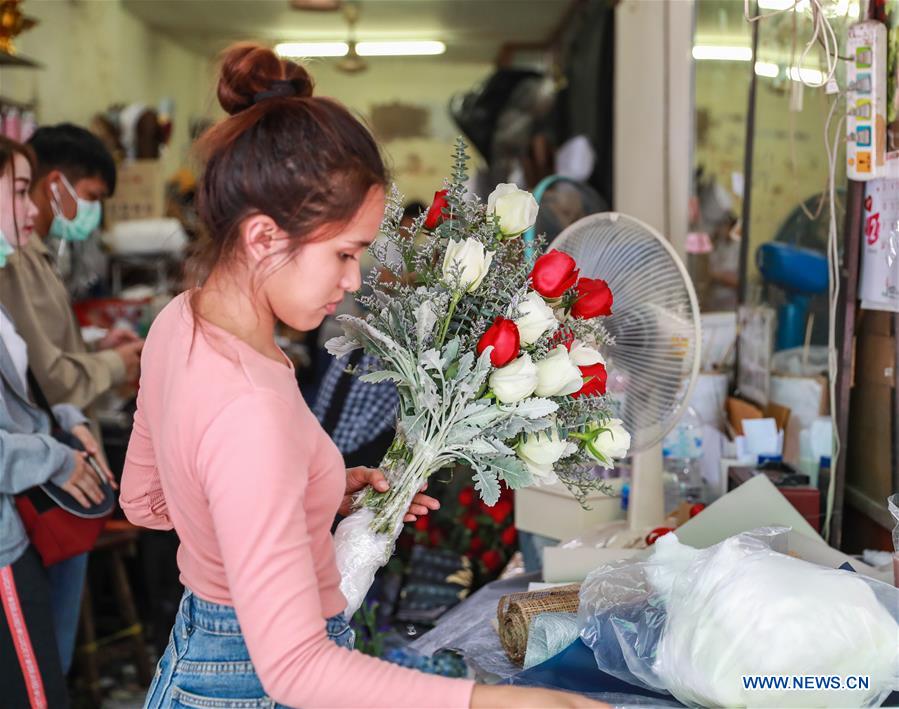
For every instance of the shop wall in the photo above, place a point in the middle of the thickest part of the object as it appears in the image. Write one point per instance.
(96, 54)
(405, 102)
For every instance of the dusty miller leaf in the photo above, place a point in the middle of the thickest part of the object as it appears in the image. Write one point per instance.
(342, 345)
(533, 408)
(513, 471)
(486, 484)
(425, 320)
(382, 376)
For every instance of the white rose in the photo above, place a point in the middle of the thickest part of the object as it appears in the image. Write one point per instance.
(557, 375)
(584, 356)
(535, 318)
(515, 209)
(468, 262)
(612, 444)
(516, 381)
(539, 451)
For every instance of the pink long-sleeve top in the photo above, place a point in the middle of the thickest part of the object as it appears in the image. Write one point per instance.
(225, 451)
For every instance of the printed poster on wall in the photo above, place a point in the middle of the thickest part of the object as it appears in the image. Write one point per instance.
(878, 286)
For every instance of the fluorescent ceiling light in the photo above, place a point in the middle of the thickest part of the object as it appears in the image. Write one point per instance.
(722, 53)
(782, 5)
(851, 8)
(399, 48)
(767, 69)
(840, 8)
(363, 49)
(312, 49)
(811, 76)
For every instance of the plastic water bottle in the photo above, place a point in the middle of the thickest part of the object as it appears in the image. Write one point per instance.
(682, 454)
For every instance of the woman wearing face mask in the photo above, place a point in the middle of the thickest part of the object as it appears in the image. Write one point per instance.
(224, 449)
(30, 670)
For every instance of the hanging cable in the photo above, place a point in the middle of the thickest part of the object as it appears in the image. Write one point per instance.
(824, 34)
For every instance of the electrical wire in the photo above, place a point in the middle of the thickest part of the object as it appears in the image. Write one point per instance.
(824, 34)
(833, 263)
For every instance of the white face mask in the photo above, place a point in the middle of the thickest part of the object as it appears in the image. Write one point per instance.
(86, 220)
(5, 249)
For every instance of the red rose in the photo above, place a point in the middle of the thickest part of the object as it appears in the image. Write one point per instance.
(476, 545)
(503, 335)
(421, 524)
(508, 536)
(500, 511)
(491, 559)
(466, 497)
(435, 538)
(597, 382)
(471, 523)
(593, 299)
(554, 273)
(435, 213)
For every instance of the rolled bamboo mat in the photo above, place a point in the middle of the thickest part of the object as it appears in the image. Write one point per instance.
(517, 610)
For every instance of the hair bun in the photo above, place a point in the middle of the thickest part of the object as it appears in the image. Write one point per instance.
(250, 69)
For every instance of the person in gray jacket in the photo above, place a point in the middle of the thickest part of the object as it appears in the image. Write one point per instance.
(30, 669)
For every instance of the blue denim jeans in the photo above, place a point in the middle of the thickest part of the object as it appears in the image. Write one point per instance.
(66, 585)
(207, 665)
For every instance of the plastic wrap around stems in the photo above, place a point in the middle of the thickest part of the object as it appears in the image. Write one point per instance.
(363, 542)
(694, 622)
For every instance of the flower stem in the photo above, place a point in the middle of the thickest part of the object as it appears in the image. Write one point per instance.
(390, 507)
(449, 316)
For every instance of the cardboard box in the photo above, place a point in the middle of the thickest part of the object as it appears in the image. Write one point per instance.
(552, 511)
(139, 194)
(567, 565)
(870, 457)
(870, 464)
(805, 498)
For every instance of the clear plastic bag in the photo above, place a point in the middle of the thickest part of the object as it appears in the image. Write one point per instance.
(359, 552)
(695, 622)
(621, 619)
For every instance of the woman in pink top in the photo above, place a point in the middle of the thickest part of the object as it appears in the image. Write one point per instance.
(224, 449)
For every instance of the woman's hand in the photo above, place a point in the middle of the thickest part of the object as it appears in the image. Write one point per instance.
(361, 477)
(117, 336)
(83, 434)
(82, 483)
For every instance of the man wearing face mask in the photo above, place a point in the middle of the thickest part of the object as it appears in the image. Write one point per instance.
(74, 172)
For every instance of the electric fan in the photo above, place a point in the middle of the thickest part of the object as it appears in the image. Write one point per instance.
(654, 361)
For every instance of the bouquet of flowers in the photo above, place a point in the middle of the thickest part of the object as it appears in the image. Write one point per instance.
(495, 360)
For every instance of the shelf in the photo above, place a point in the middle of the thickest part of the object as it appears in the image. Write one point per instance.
(21, 105)
(870, 508)
(17, 60)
